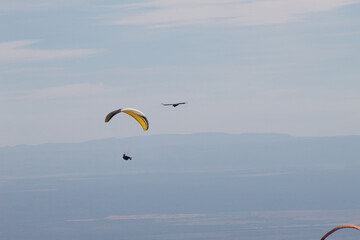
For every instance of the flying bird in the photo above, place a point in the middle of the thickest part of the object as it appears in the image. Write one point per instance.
(173, 104)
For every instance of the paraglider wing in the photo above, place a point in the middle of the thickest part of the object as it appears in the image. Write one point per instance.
(136, 114)
(139, 116)
(110, 115)
(338, 228)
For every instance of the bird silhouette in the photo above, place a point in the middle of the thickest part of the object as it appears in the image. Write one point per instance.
(173, 104)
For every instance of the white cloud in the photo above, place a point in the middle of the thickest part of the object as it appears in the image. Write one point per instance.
(71, 90)
(18, 51)
(267, 174)
(81, 220)
(154, 216)
(16, 5)
(164, 13)
(41, 190)
(17, 70)
(10, 6)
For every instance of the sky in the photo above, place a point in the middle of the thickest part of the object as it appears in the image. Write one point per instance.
(259, 66)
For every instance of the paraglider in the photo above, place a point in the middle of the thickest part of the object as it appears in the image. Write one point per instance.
(136, 114)
(338, 228)
(173, 104)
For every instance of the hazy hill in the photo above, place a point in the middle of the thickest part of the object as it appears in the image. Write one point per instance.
(183, 152)
(198, 186)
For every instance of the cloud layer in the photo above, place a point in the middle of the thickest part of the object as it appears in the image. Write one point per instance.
(162, 13)
(19, 51)
(71, 90)
(154, 216)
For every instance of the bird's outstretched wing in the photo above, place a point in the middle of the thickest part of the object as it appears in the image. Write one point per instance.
(173, 104)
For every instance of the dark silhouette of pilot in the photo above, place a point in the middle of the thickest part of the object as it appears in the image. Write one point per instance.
(125, 157)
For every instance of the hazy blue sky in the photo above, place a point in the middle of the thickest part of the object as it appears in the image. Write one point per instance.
(243, 66)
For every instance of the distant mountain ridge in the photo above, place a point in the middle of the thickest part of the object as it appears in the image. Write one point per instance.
(183, 152)
(197, 138)
(176, 138)
(192, 173)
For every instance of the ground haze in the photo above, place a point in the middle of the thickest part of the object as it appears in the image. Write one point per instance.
(198, 186)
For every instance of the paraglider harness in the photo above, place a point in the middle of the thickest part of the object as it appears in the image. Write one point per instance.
(125, 157)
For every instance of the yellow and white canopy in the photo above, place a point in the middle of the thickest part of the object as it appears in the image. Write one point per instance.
(136, 114)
